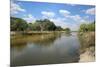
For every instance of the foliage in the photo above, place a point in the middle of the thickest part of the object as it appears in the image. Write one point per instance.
(58, 28)
(83, 27)
(91, 27)
(18, 24)
(30, 27)
(44, 25)
(87, 27)
(67, 30)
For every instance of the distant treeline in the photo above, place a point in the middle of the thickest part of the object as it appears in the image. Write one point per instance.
(87, 27)
(18, 24)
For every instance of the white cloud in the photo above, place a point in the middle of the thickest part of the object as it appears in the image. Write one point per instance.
(67, 15)
(64, 12)
(75, 17)
(47, 14)
(65, 24)
(15, 8)
(71, 21)
(78, 18)
(59, 22)
(29, 18)
(90, 11)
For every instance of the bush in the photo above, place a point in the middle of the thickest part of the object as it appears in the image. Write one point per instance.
(87, 27)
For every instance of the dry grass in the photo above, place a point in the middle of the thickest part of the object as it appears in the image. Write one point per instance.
(87, 49)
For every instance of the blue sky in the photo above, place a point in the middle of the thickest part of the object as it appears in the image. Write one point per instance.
(64, 15)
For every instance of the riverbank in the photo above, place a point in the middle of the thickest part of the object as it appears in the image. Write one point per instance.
(87, 47)
(88, 55)
(33, 32)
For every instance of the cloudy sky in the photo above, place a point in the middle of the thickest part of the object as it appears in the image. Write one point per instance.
(64, 15)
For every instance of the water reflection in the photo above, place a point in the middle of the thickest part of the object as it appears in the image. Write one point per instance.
(43, 39)
(44, 49)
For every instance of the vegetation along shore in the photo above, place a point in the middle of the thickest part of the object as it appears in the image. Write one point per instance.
(87, 41)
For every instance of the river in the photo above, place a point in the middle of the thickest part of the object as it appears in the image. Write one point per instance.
(44, 49)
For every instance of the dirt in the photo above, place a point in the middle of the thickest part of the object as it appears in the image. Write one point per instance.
(88, 55)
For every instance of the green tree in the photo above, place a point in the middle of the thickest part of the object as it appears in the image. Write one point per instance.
(30, 27)
(67, 30)
(83, 28)
(58, 28)
(44, 25)
(18, 24)
(87, 27)
(91, 27)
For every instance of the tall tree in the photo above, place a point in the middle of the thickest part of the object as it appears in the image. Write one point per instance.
(83, 28)
(44, 25)
(18, 24)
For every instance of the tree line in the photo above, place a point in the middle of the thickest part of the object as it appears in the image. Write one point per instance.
(87, 27)
(18, 24)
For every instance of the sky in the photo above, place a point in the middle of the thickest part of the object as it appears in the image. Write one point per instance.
(64, 15)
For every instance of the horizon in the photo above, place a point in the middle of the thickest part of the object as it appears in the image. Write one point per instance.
(64, 15)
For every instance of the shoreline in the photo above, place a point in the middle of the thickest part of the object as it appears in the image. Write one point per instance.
(88, 55)
(87, 49)
(34, 32)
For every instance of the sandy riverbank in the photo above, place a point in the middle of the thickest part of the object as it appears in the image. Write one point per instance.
(88, 55)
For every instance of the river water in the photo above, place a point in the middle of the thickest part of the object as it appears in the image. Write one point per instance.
(44, 49)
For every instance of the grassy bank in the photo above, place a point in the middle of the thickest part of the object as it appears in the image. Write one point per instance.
(18, 39)
(87, 47)
(33, 32)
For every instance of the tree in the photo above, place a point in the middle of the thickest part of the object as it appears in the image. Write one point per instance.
(44, 25)
(36, 26)
(18, 24)
(58, 28)
(67, 30)
(30, 27)
(87, 27)
(83, 28)
(91, 27)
